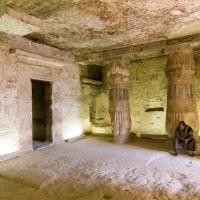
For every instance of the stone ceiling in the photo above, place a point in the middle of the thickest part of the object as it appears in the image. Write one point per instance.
(84, 26)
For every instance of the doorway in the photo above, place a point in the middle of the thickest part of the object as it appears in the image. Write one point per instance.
(41, 113)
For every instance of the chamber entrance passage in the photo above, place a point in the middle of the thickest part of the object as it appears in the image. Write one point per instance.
(41, 113)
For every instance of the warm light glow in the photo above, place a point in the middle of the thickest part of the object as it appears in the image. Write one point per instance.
(73, 129)
(103, 130)
(9, 143)
(7, 148)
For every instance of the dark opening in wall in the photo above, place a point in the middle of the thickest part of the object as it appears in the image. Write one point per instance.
(154, 109)
(41, 113)
(92, 72)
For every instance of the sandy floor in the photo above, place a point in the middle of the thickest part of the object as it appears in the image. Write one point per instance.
(94, 169)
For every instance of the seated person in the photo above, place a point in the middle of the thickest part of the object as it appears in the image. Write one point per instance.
(184, 138)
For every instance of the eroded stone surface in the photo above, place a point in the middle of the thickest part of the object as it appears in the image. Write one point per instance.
(16, 102)
(147, 96)
(96, 169)
(148, 89)
(181, 99)
(100, 25)
(119, 108)
(17, 23)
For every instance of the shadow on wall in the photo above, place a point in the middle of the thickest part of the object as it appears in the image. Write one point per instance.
(101, 123)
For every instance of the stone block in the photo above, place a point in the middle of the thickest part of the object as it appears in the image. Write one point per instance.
(18, 23)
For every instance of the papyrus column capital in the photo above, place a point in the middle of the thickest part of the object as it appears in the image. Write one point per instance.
(180, 62)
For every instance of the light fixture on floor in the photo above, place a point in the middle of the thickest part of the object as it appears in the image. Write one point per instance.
(74, 139)
(8, 155)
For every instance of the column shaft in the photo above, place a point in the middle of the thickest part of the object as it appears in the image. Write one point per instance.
(181, 101)
(119, 109)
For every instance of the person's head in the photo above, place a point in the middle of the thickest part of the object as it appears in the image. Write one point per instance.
(182, 125)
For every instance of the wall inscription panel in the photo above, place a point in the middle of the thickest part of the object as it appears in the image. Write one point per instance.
(20, 62)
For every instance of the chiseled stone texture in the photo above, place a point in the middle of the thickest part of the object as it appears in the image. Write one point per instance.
(119, 107)
(148, 83)
(103, 24)
(15, 97)
(16, 23)
(148, 93)
(181, 99)
(96, 118)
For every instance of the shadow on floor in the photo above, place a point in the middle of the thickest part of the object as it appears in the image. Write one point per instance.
(165, 145)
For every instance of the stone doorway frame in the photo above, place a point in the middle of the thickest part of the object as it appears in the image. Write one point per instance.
(35, 67)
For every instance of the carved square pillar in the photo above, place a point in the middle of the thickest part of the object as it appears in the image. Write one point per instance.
(119, 109)
(181, 101)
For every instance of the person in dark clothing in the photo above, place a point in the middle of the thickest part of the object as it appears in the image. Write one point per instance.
(184, 138)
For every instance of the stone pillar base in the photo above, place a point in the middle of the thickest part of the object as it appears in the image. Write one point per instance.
(122, 139)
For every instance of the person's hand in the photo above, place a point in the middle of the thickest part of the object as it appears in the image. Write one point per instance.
(186, 141)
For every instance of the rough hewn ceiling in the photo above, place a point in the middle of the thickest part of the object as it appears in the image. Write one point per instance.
(95, 25)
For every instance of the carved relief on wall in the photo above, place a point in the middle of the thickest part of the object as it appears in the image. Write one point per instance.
(25, 114)
(1, 71)
(8, 106)
(37, 72)
(118, 94)
(31, 69)
(17, 68)
(101, 116)
(147, 96)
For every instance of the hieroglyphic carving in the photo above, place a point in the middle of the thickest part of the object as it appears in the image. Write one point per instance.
(181, 101)
(119, 109)
(25, 114)
(56, 109)
(29, 71)
(38, 62)
(118, 94)
(38, 73)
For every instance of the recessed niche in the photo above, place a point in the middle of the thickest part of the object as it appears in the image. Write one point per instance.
(154, 104)
(88, 81)
(91, 74)
(154, 109)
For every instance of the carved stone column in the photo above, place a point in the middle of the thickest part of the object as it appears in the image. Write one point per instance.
(181, 101)
(119, 109)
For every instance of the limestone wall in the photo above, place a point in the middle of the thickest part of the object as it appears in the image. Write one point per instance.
(147, 95)
(95, 99)
(20, 62)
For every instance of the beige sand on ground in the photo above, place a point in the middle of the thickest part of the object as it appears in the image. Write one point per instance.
(95, 168)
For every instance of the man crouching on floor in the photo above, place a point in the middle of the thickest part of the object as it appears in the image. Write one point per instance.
(184, 138)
